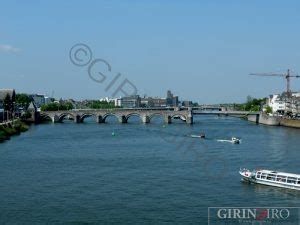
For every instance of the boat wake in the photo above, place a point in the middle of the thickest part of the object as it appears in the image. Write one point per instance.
(230, 141)
(195, 136)
(233, 141)
(198, 136)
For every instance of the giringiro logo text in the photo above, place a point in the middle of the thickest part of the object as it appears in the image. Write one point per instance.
(253, 215)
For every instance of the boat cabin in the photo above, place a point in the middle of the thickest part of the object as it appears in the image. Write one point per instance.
(278, 177)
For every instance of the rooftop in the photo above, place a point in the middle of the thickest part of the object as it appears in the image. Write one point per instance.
(4, 92)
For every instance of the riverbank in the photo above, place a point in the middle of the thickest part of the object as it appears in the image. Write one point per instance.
(294, 123)
(10, 129)
(274, 121)
(264, 119)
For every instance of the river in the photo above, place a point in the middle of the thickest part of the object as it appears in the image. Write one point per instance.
(140, 174)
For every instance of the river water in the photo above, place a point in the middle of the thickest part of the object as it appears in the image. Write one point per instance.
(140, 174)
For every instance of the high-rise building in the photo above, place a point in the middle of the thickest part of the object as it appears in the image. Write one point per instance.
(175, 101)
(169, 99)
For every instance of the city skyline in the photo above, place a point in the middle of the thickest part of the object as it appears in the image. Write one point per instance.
(208, 61)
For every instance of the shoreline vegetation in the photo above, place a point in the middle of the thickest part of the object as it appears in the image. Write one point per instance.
(11, 129)
(93, 104)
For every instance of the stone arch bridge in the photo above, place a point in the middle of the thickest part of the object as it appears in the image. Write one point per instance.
(122, 115)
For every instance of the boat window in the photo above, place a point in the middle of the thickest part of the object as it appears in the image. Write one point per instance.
(263, 176)
(258, 176)
(298, 181)
(270, 177)
(281, 178)
(291, 180)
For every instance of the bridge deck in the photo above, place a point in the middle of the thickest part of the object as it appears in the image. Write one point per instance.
(204, 112)
(122, 114)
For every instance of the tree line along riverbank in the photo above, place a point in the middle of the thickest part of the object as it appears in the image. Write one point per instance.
(14, 128)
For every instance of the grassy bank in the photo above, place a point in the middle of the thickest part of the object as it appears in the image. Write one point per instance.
(6, 131)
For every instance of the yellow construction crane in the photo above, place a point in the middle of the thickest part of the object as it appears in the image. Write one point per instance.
(286, 75)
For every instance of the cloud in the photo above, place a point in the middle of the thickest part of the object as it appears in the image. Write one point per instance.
(8, 48)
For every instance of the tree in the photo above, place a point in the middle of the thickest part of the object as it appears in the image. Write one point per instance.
(249, 98)
(50, 107)
(26, 115)
(269, 109)
(8, 103)
(96, 104)
(23, 100)
(54, 106)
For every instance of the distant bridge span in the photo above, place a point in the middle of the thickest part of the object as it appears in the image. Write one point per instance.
(226, 113)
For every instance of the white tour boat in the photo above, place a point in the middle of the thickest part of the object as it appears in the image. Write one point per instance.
(272, 178)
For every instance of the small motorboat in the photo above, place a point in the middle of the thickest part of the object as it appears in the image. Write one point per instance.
(235, 140)
(202, 135)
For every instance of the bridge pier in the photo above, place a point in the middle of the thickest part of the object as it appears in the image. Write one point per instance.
(190, 118)
(77, 119)
(253, 118)
(167, 119)
(146, 119)
(55, 119)
(123, 119)
(99, 119)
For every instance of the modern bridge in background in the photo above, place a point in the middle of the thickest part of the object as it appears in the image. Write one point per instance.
(225, 113)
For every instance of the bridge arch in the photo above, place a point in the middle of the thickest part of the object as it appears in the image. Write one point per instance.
(63, 115)
(134, 114)
(86, 115)
(104, 117)
(156, 114)
(45, 116)
(181, 116)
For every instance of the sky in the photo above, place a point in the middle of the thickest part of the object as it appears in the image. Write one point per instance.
(200, 50)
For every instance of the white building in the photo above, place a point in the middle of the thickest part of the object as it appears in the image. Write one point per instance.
(116, 101)
(276, 103)
(296, 94)
(283, 104)
(106, 99)
(295, 103)
(47, 100)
